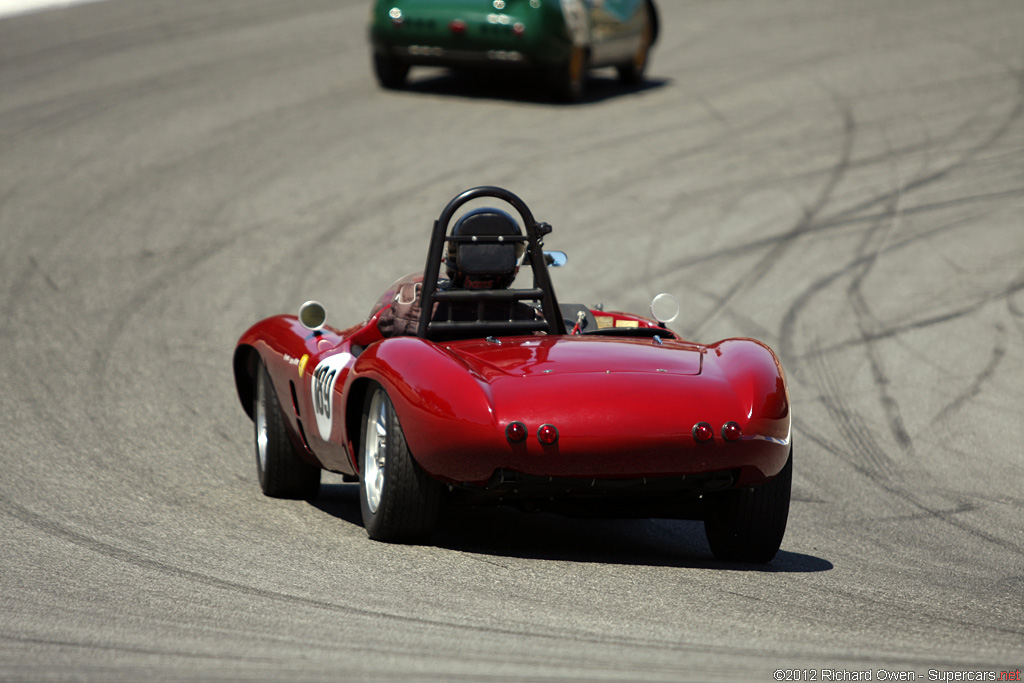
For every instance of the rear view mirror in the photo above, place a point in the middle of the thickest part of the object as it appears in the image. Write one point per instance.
(555, 259)
(552, 259)
(312, 315)
(665, 308)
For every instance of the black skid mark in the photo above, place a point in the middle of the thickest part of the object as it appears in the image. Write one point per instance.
(859, 438)
(975, 388)
(866, 325)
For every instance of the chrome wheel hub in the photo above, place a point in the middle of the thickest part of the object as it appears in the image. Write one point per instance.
(261, 420)
(375, 450)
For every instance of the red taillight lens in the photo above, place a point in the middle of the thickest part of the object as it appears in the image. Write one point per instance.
(547, 434)
(731, 431)
(519, 28)
(457, 26)
(515, 431)
(702, 432)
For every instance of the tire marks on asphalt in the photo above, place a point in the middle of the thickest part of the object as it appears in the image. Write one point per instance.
(531, 631)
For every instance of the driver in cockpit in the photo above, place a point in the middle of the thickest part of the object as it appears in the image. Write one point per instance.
(468, 265)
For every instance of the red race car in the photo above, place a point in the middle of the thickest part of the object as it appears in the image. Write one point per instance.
(461, 388)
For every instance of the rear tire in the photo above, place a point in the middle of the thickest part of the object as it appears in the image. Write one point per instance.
(632, 72)
(568, 80)
(747, 525)
(281, 471)
(400, 502)
(391, 72)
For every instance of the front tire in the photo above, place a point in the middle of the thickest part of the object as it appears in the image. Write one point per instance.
(747, 525)
(399, 501)
(281, 471)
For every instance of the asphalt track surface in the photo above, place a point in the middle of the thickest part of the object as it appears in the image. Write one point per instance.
(842, 180)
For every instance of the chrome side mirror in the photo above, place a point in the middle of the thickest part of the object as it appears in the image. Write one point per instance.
(555, 259)
(665, 308)
(552, 259)
(312, 315)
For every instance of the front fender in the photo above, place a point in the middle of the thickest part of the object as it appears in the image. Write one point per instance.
(270, 339)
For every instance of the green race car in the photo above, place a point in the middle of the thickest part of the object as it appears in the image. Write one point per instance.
(560, 39)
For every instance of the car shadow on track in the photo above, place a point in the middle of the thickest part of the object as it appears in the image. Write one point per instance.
(521, 87)
(508, 532)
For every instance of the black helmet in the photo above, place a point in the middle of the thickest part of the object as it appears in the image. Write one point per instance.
(484, 265)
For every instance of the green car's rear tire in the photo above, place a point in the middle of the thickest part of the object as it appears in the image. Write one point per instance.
(568, 80)
(391, 72)
(747, 525)
(632, 72)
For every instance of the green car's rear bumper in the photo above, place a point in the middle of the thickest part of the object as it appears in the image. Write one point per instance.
(471, 33)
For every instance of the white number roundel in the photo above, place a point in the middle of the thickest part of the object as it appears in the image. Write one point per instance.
(325, 377)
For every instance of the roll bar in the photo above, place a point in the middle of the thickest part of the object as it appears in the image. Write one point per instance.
(541, 291)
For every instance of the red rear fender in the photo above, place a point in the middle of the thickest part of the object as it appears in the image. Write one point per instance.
(438, 398)
(758, 381)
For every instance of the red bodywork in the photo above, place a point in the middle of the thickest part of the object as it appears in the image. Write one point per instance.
(624, 407)
(520, 408)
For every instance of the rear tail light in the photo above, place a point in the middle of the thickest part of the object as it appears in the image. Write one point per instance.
(457, 26)
(702, 432)
(515, 432)
(547, 434)
(519, 28)
(731, 431)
